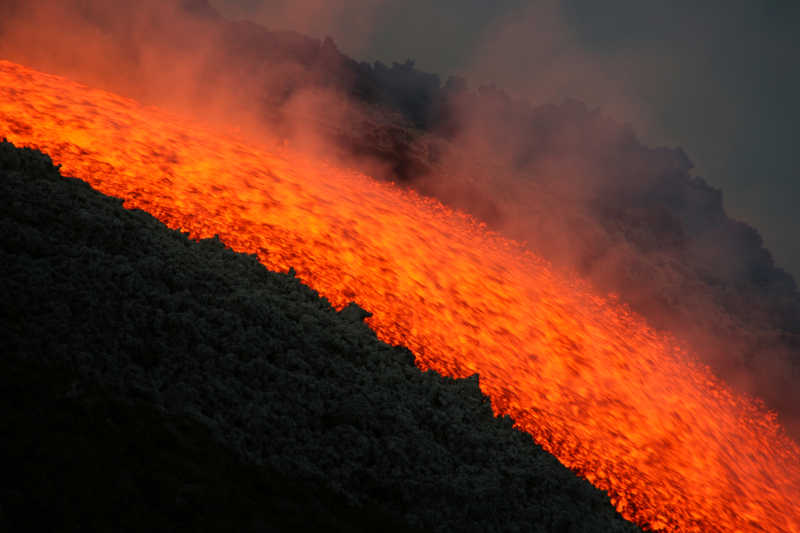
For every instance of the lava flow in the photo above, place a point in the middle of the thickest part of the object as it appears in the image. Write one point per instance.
(622, 406)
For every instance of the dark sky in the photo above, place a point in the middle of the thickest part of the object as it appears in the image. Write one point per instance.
(719, 78)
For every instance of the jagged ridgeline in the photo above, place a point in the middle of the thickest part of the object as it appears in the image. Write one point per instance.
(150, 381)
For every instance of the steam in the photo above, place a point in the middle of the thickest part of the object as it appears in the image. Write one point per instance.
(539, 57)
(181, 55)
(584, 192)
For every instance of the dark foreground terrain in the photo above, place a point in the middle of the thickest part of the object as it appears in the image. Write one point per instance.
(153, 382)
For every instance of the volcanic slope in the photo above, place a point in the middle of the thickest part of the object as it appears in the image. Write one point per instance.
(151, 380)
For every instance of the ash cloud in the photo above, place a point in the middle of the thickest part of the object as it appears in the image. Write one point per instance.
(583, 191)
(575, 184)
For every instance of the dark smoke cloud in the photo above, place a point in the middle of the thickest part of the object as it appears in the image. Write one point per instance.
(714, 77)
(711, 76)
(637, 221)
(578, 186)
(585, 193)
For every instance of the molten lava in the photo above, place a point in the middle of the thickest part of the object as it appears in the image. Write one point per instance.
(675, 449)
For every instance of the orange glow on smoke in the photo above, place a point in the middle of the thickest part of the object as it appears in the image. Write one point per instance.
(594, 385)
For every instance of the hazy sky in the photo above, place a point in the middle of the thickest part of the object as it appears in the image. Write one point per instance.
(719, 78)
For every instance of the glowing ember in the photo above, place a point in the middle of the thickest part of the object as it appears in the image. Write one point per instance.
(617, 403)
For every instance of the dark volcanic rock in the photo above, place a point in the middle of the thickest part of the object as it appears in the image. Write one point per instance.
(154, 382)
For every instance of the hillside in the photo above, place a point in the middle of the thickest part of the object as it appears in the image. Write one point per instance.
(153, 381)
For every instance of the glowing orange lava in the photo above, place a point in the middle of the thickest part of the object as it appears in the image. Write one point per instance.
(594, 385)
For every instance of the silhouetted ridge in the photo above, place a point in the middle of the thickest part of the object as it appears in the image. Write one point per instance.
(153, 381)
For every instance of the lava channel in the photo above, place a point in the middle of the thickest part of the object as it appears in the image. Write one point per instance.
(616, 402)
